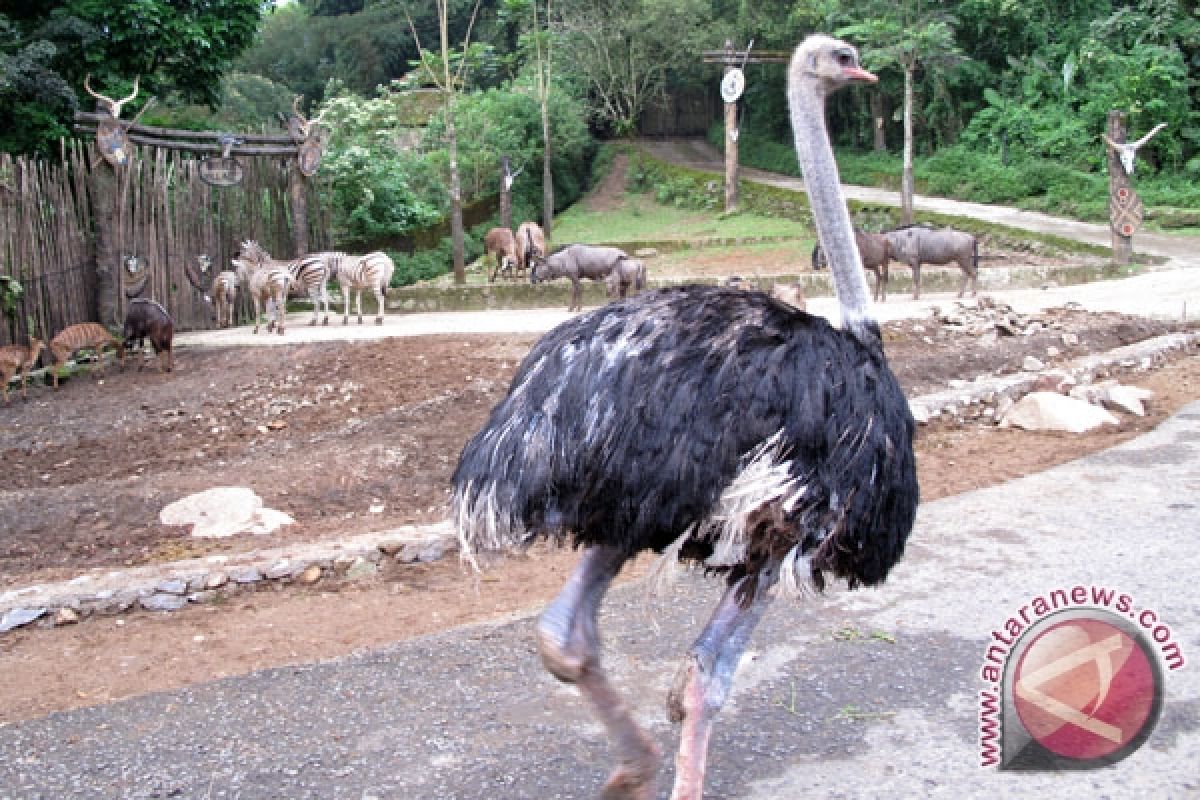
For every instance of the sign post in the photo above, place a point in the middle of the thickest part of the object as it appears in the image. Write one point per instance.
(733, 84)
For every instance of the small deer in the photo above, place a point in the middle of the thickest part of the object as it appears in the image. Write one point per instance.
(14, 358)
(84, 335)
(147, 318)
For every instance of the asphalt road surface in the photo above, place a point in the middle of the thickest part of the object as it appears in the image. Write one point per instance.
(852, 694)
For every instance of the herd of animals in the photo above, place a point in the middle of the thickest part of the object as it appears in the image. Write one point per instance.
(268, 282)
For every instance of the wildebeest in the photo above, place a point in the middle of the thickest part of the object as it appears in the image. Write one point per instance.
(499, 243)
(148, 319)
(626, 273)
(575, 262)
(875, 251)
(916, 245)
(531, 244)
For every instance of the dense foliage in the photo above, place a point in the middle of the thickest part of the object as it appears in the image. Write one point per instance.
(1008, 99)
(178, 48)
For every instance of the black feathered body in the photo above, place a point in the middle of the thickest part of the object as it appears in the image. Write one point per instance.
(718, 424)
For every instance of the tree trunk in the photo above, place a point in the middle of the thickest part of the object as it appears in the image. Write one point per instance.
(104, 190)
(547, 173)
(456, 217)
(906, 181)
(877, 116)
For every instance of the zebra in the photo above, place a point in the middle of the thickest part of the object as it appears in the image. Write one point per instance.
(309, 274)
(372, 271)
(268, 285)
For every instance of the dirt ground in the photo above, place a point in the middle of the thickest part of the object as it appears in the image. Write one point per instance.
(332, 432)
(325, 432)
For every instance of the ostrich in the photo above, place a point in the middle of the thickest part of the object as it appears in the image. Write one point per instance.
(715, 426)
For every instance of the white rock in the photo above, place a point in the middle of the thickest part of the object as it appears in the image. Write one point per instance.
(1127, 398)
(1050, 411)
(223, 511)
(1031, 364)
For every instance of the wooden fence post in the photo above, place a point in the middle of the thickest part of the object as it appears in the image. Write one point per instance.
(298, 193)
(104, 194)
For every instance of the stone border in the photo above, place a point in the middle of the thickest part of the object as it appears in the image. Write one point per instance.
(169, 587)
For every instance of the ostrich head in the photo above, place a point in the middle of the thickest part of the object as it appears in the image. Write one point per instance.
(828, 64)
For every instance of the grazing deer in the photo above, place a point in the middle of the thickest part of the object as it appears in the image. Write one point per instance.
(147, 318)
(84, 335)
(14, 358)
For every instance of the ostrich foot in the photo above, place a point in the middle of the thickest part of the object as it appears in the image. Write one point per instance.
(312, 323)
(633, 781)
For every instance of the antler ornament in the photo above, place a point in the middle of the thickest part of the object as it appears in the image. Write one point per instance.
(1127, 151)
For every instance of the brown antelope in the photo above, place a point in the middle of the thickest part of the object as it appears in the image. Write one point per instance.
(147, 319)
(500, 244)
(531, 244)
(84, 335)
(16, 357)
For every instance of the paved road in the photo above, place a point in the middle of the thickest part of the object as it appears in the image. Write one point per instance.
(886, 708)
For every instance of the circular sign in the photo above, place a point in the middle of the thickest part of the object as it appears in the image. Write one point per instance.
(732, 85)
(1087, 690)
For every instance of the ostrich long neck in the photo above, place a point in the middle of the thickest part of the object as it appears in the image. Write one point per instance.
(834, 228)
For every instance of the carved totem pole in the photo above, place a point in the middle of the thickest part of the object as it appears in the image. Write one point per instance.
(1125, 210)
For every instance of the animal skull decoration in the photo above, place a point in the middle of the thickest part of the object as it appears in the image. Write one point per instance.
(112, 138)
(1127, 151)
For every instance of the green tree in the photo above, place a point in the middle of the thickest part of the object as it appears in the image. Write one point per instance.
(904, 37)
(179, 50)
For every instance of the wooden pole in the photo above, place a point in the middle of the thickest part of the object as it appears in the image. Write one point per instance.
(104, 194)
(731, 140)
(1122, 246)
(298, 194)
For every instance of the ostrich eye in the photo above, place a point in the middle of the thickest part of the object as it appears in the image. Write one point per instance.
(845, 59)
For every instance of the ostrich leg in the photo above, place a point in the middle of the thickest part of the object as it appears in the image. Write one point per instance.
(570, 648)
(703, 681)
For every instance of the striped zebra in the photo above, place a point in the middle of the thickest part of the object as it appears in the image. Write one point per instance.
(268, 288)
(309, 274)
(372, 271)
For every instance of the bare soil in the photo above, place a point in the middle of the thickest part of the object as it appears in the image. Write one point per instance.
(325, 432)
(329, 432)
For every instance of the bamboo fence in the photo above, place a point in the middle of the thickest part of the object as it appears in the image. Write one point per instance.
(165, 215)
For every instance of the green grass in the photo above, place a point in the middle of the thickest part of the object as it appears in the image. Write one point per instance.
(640, 218)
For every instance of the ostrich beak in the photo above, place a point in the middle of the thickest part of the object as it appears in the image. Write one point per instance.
(859, 74)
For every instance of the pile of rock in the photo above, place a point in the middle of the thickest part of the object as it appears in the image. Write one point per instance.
(1087, 381)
